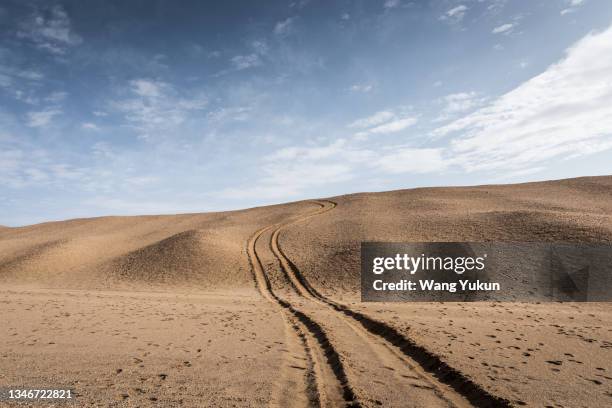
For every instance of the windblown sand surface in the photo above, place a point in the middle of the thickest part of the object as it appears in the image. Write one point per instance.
(261, 307)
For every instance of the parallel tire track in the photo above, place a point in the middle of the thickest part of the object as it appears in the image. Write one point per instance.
(436, 370)
(326, 380)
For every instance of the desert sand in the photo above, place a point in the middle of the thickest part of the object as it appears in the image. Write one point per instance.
(261, 307)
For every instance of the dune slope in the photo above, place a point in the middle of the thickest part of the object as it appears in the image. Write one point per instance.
(208, 249)
(326, 248)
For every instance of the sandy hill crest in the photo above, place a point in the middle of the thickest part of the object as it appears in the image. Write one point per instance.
(209, 249)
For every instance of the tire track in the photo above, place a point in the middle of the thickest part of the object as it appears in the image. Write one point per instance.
(324, 383)
(444, 379)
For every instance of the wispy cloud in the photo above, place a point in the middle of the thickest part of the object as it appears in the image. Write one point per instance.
(288, 179)
(296, 115)
(455, 14)
(389, 4)
(147, 88)
(284, 27)
(411, 160)
(459, 102)
(89, 126)
(154, 107)
(503, 29)
(241, 62)
(56, 96)
(394, 125)
(308, 153)
(383, 122)
(18, 82)
(235, 114)
(42, 118)
(24, 164)
(564, 112)
(30, 75)
(290, 171)
(364, 88)
(259, 49)
(572, 5)
(375, 119)
(50, 30)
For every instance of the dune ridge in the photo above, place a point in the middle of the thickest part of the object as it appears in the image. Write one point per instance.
(207, 249)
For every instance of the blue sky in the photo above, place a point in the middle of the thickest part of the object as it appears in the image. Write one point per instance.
(145, 107)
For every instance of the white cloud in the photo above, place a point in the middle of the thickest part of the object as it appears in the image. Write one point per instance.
(361, 88)
(411, 160)
(375, 119)
(258, 191)
(42, 118)
(394, 126)
(56, 96)
(35, 175)
(18, 82)
(573, 5)
(154, 107)
(142, 180)
(26, 97)
(30, 75)
(496, 6)
(241, 62)
(299, 4)
(456, 14)
(147, 88)
(382, 122)
(308, 153)
(236, 114)
(90, 126)
(564, 112)
(51, 32)
(458, 103)
(284, 27)
(24, 164)
(504, 28)
(292, 171)
(288, 179)
(391, 4)
(260, 47)
(5, 80)
(254, 59)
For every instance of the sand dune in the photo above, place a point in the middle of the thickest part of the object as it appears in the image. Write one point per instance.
(193, 250)
(207, 250)
(326, 249)
(269, 297)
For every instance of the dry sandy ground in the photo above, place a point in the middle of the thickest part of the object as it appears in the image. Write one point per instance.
(142, 349)
(118, 307)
